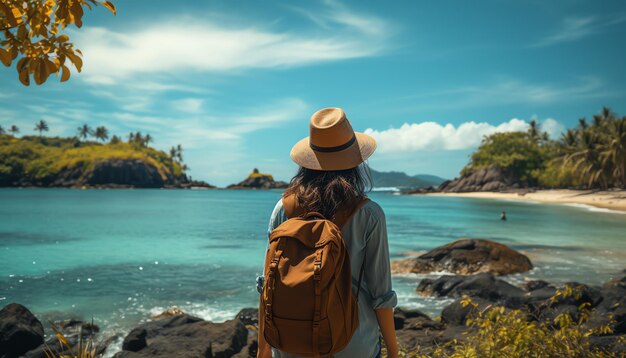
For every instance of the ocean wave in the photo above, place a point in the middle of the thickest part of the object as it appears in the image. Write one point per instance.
(386, 188)
(594, 208)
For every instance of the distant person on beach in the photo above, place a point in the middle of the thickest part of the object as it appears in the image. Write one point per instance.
(503, 216)
(327, 292)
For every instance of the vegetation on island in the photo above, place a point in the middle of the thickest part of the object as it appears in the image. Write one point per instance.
(47, 161)
(592, 155)
(33, 31)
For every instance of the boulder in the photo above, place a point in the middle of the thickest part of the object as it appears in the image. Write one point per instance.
(464, 257)
(483, 285)
(491, 178)
(20, 331)
(185, 336)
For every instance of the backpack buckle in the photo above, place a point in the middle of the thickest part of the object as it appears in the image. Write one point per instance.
(317, 271)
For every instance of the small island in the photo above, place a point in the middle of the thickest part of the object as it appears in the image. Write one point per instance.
(79, 162)
(257, 180)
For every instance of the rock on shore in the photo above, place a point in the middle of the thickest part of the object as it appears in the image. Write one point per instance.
(492, 178)
(466, 256)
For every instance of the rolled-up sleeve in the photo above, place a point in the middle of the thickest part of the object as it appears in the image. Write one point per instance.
(377, 273)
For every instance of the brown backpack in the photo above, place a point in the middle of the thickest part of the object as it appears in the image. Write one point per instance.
(307, 307)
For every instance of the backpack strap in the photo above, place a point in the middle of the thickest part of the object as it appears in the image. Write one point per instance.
(343, 216)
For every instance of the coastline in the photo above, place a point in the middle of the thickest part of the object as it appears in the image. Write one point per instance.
(613, 200)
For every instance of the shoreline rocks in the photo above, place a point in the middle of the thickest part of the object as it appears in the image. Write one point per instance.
(175, 333)
(466, 256)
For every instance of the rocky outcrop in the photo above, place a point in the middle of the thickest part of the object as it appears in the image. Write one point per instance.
(20, 331)
(491, 178)
(177, 334)
(258, 180)
(466, 256)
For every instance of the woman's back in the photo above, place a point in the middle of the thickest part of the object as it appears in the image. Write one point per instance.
(332, 178)
(365, 236)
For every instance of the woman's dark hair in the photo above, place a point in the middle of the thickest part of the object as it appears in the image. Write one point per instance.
(326, 192)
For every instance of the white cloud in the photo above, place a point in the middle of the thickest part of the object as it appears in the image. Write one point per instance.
(576, 28)
(188, 105)
(553, 127)
(211, 46)
(434, 136)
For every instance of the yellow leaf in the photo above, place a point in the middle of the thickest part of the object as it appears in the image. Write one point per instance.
(77, 11)
(21, 64)
(24, 77)
(51, 66)
(41, 71)
(63, 38)
(5, 57)
(78, 63)
(65, 73)
(109, 5)
(8, 13)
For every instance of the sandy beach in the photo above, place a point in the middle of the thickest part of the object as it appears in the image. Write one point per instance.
(614, 200)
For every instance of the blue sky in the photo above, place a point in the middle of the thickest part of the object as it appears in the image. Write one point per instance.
(235, 82)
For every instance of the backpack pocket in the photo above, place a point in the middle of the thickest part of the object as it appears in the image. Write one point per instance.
(296, 336)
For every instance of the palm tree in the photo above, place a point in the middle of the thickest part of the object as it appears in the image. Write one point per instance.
(101, 133)
(131, 137)
(179, 152)
(586, 160)
(582, 123)
(614, 154)
(533, 130)
(14, 130)
(2, 131)
(147, 139)
(173, 152)
(115, 139)
(568, 139)
(41, 127)
(84, 131)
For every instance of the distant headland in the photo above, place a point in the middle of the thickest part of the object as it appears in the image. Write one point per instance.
(78, 162)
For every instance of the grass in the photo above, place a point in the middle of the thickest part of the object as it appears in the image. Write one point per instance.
(85, 349)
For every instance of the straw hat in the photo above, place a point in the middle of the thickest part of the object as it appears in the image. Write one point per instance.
(332, 144)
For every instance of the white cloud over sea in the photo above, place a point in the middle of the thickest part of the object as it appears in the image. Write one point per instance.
(218, 45)
(430, 136)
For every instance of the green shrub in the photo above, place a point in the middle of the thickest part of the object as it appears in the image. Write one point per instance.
(497, 332)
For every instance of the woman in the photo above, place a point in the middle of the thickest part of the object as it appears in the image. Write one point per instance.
(333, 175)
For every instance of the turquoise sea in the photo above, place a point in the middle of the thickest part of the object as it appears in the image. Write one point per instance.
(118, 256)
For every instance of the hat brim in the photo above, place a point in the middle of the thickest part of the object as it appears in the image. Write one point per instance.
(348, 158)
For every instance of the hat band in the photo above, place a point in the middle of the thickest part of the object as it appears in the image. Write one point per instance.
(333, 149)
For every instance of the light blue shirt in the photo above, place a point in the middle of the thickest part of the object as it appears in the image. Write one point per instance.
(365, 232)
